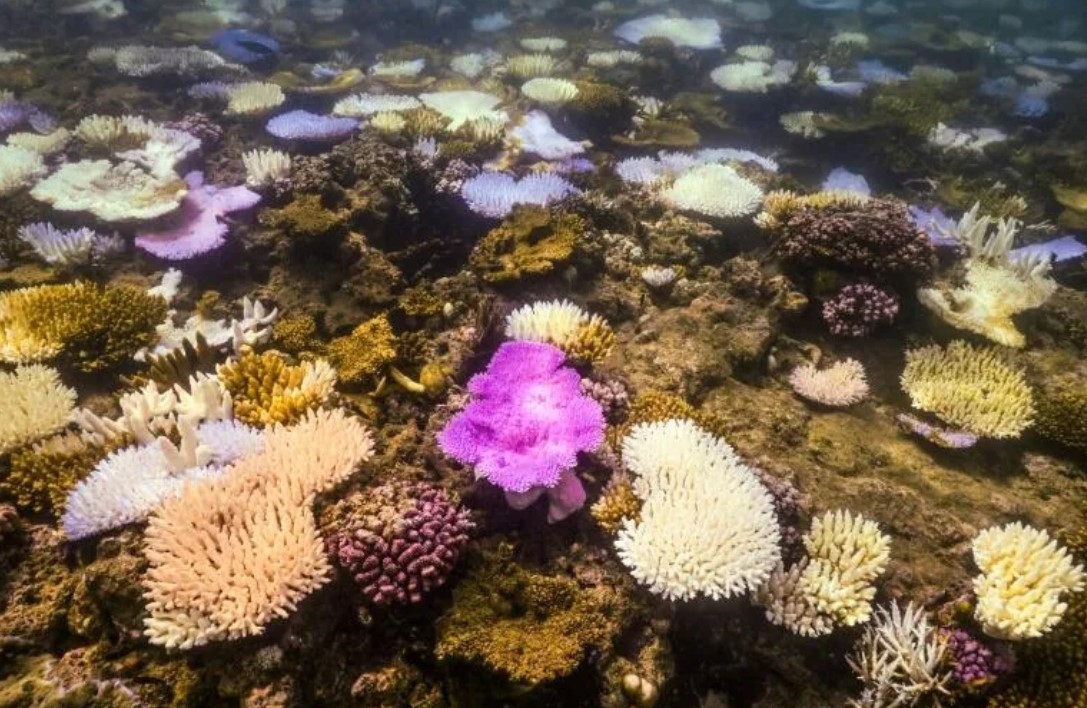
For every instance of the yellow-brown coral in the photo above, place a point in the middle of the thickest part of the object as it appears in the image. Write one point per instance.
(41, 477)
(361, 355)
(616, 504)
(295, 333)
(94, 328)
(529, 242)
(267, 390)
(969, 387)
(305, 217)
(779, 205)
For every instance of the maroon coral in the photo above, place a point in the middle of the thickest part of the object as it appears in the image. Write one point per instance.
(875, 236)
(858, 310)
(399, 541)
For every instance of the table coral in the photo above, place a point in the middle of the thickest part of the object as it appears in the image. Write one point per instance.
(525, 625)
(529, 242)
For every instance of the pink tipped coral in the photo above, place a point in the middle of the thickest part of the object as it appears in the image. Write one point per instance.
(199, 228)
(839, 385)
(525, 425)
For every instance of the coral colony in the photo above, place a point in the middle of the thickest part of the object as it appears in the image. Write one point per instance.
(438, 354)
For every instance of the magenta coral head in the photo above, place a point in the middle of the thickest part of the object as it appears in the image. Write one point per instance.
(527, 419)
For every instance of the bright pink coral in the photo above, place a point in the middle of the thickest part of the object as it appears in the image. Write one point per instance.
(198, 228)
(525, 425)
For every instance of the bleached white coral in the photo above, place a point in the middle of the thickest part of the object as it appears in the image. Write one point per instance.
(556, 322)
(832, 586)
(162, 152)
(45, 145)
(714, 190)
(543, 44)
(527, 66)
(265, 166)
(105, 132)
(365, 104)
(611, 58)
(706, 526)
(755, 52)
(997, 286)
(549, 90)
(696, 33)
(1024, 576)
(65, 247)
(802, 123)
(753, 76)
(111, 192)
(900, 660)
(473, 64)
(19, 167)
(138, 60)
(398, 69)
(536, 135)
(840, 384)
(463, 106)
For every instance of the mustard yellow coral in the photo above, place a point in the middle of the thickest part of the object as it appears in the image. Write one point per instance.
(779, 205)
(360, 355)
(969, 387)
(94, 328)
(265, 389)
(295, 333)
(529, 242)
(616, 504)
(40, 477)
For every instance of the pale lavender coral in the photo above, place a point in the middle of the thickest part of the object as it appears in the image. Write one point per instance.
(936, 225)
(842, 180)
(1063, 248)
(494, 194)
(859, 309)
(535, 134)
(525, 425)
(609, 392)
(942, 437)
(14, 114)
(404, 546)
(303, 125)
(199, 228)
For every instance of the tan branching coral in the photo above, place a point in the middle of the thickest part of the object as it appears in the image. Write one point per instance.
(832, 586)
(1024, 574)
(232, 554)
(265, 389)
(616, 504)
(33, 404)
(779, 205)
(581, 335)
(41, 476)
(969, 387)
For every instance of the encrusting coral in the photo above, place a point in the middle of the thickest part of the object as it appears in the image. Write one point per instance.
(969, 387)
(230, 554)
(362, 355)
(526, 626)
(266, 389)
(530, 241)
(93, 328)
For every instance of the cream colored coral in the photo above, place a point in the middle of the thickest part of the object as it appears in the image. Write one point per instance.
(122, 192)
(706, 526)
(550, 90)
(264, 166)
(969, 387)
(253, 97)
(527, 66)
(714, 190)
(33, 404)
(557, 322)
(48, 144)
(232, 554)
(1024, 574)
(832, 586)
(19, 167)
(841, 384)
(107, 131)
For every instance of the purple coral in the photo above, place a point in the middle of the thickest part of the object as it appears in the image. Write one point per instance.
(14, 114)
(399, 541)
(876, 235)
(198, 229)
(941, 437)
(303, 125)
(973, 665)
(494, 194)
(525, 425)
(858, 309)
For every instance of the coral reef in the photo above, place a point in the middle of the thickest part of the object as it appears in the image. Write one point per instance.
(529, 242)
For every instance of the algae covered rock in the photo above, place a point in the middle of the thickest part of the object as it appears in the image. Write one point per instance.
(529, 242)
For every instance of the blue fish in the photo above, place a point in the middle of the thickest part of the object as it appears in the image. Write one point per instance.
(245, 47)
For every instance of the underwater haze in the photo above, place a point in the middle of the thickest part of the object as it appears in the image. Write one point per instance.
(564, 353)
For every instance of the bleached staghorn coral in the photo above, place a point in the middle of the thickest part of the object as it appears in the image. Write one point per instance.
(550, 91)
(265, 166)
(802, 123)
(232, 554)
(1024, 573)
(564, 324)
(615, 57)
(33, 404)
(252, 328)
(969, 387)
(714, 190)
(106, 132)
(398, 69)
(543, 44)
(252, 97)
(997, 286)
(473, 64)
(900, 659)
(831, 587)
(840, 384)
(528, 66)
(19, 167)
(138, 60)
(67, 247)
(706, 526)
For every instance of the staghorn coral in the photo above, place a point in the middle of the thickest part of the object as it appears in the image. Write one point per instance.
(707, 524)
(179, 365)
(361, 356)
(266, 390)
(529, 627)
(832, 585)
(399, 541)
(969, 387)
(40, 477)
(229, 555)
(92, 328)
(1024, 575)
(33, 404)
(528, 242)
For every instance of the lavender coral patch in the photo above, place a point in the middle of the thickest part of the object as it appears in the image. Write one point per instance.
(941, 437)
(199, 228)
(398, 542)
(494, 194)
(303, 125)
(1063, 248)
(14, 114)
(525, 425)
